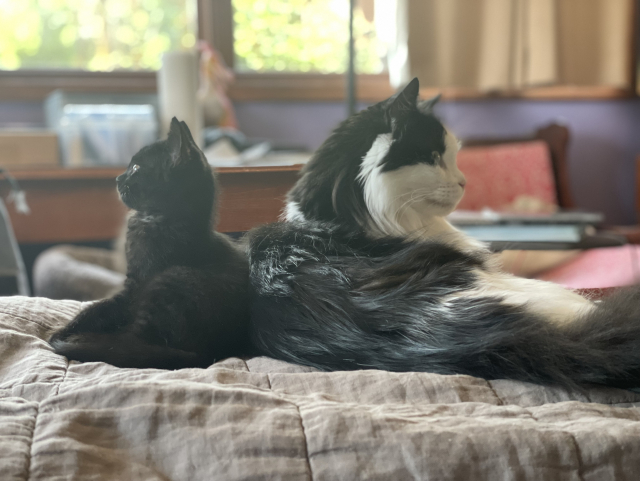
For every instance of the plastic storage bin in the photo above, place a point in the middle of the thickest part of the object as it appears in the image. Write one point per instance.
(101, 130)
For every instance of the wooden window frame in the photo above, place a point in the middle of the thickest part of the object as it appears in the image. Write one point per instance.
(215, 25)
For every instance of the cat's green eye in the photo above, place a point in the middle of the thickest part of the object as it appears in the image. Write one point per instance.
(436, 157)
(135, 168)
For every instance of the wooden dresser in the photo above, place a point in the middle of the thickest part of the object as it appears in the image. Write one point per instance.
(79, 205)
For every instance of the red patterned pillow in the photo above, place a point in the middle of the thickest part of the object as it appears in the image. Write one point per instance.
(499, 176)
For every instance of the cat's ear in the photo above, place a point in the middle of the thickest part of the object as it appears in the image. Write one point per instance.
(406, 100)
(174, 141)
(181, 143)
(190, 150)
(186, 134)
(426, 106)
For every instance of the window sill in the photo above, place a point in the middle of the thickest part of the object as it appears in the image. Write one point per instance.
(555, 92)
(311, 87)
(35, 85)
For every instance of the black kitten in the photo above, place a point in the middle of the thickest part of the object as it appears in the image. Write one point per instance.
(185, 298)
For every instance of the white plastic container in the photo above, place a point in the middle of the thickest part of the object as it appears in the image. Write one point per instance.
(104, 135)
(178, 80)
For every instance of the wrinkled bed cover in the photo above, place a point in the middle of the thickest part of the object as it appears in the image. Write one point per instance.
(263, 419)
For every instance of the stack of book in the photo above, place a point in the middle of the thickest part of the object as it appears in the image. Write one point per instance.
(561, 227)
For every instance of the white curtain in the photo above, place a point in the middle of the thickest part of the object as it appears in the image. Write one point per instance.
(505, 44)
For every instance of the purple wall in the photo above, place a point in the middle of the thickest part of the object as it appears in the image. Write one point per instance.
(21, 114)
(605, 137)
(602, 152)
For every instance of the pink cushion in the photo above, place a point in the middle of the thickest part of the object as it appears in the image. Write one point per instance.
(497, 175)
(599, 268)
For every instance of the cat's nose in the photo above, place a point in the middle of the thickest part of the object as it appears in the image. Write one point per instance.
(121, 178)
(462, 183)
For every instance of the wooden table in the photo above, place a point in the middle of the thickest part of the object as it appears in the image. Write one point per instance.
(76, 205)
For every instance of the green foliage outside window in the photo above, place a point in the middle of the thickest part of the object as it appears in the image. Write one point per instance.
(93, 34)
(102, 35)
(302, 36)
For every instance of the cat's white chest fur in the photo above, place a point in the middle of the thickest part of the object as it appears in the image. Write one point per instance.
(413, 200)
(292, 212)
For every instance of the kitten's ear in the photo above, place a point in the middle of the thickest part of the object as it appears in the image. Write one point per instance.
(174, 141)
(186, 134)
(190, 150)
(181, 143)
(426, 106)
(406, 100)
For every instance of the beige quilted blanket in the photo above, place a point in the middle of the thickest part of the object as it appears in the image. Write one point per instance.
(263, 419)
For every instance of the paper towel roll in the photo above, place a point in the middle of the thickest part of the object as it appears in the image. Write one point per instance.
(177, 92)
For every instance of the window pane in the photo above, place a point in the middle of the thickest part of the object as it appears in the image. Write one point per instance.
(93, 34)
(304, 36)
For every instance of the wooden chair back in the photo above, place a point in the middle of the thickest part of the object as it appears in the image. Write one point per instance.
(556, 137)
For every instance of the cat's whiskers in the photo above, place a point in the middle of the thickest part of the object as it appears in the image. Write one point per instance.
(415, 196)
(412, 196)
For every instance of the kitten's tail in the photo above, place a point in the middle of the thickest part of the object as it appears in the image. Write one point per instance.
(122, 349)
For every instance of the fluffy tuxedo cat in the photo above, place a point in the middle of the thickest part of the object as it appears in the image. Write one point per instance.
(335, 299)
(391, 171)
(185, 300)
(367, 272)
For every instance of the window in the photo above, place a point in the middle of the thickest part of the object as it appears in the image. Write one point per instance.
(94, 35)
(304, 36)
(298, 49)
(115, 45)
(280, 49)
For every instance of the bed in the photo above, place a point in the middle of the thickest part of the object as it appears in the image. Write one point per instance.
(252, 419)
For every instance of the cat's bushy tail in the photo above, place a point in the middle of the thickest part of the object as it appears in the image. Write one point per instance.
(605, 342)
(399, 312)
